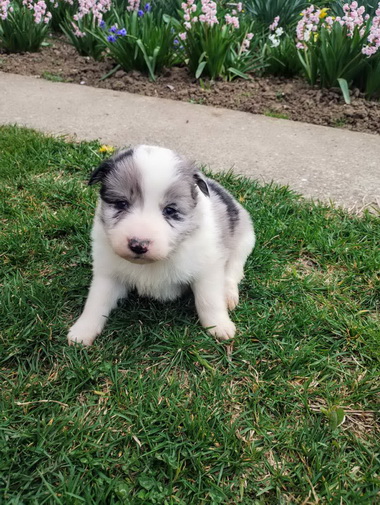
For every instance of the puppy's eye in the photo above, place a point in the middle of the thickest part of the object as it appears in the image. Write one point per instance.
(169, 211)
(121, 205)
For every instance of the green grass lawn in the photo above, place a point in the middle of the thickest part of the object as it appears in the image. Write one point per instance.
(156, 412)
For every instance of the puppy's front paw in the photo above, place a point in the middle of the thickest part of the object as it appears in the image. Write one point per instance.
(224, 330)
(82, 332)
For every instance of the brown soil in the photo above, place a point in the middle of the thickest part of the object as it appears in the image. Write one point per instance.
(272, 96)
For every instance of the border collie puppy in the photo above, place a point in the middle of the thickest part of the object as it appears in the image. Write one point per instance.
(160, 227)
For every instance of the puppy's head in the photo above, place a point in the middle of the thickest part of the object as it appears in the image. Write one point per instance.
(148, 198)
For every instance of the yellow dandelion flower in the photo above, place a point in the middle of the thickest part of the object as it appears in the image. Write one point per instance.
(323, 13)
(106, 149)
(241, 199)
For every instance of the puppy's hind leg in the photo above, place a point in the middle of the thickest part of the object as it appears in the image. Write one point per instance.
(234, 270)
(102, 298)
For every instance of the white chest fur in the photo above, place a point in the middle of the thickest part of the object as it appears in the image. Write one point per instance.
(163, 280)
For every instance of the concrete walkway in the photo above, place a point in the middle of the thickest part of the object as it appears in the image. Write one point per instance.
(319, 162)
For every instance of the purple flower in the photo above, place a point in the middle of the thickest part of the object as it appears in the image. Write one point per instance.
(113, 29)
(140, 13)
(148, 7)
(122, 32)
(111, 38)
(176, 42)
(102, 24)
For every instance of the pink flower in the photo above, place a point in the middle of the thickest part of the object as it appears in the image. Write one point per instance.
(188, 13)
(310, 19)
(232, 20)
(353, 17)
(373, 38)
(133, 5)
(182, 36)
(5, 7)
(95, 7)
(77, 32)
(40, 12)
(209, 11)
(274, 25)
(246, 42)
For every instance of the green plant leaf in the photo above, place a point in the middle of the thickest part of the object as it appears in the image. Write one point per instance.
(111, 72)
(148, 60)
(346, 92)
(200, 68)
(237, 72)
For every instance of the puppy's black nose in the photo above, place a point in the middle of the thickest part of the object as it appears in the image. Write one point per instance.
(138, 246)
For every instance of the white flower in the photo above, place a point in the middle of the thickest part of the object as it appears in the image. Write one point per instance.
(275, 41)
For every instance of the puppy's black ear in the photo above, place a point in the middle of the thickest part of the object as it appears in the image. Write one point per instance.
(103, 169)
(200, 181)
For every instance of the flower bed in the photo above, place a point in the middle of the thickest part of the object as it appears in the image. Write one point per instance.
(336, 46)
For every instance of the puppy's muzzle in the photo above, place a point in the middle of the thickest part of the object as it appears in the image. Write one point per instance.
(138, 246)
